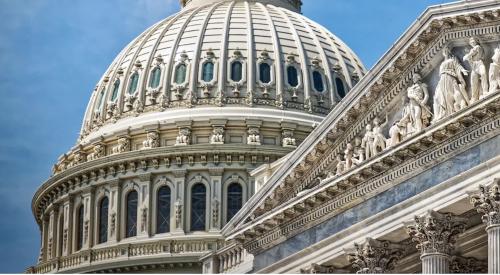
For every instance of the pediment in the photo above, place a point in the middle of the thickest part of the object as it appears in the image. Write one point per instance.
(413, 99)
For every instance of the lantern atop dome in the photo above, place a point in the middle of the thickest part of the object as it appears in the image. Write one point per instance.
(294, 5)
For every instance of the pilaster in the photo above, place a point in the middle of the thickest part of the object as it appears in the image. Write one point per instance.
(88, 220)
(216, 198)
(179, 207)
(144, 211)
(487, 202)
(68, 226)
(43, 249)
(113, 211)
(375, 256)
(435, 235)
(52, 232)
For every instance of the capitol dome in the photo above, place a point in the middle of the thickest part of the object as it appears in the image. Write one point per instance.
(175, 126)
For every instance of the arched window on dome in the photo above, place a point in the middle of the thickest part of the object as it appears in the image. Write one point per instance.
(292, 76)
(208, 71)
(163, 210)
(103, 220)
(180, 74)
(236, 71)
(340, 87)
(131, 219)
(116, 89)
(198, 207)
(134, 80)
(234, 199)
(318, 81)
(79, 227)
(265, 73)
(155, 77)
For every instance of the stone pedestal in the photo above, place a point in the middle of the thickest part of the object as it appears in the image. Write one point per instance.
(435, 235)
(487, 202)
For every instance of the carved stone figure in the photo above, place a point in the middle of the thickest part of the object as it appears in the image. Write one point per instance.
(217, 136)
(163, 101)
(450, 95)
(65, 239)
(113, 223)
(184, 137)
(479, 78)
(288, 139)
(138, 106)
(144, 219)
(349, 156)
(396, 134)
(494, 73)
(253, 136)
(130, 101)
(110, 109)
(178, 214)
(98, 152)
(152, 96)
(419, 113)
(378, 137)
(152, 140)
(123, 146)
(368, 141)
(340, 165)
(359, 152)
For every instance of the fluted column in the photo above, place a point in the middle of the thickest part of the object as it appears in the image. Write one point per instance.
(487, 202)
(374, 256)
(435, 235)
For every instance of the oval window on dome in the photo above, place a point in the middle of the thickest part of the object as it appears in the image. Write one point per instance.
(236, 71)
(134, 80)
(208, 71)
(265, 73)
(180, 74)
(340, 87)
(318, 81)
(154, 79)
(116, 88)
(292, 76)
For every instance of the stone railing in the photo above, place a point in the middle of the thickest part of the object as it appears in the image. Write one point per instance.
(124, 252)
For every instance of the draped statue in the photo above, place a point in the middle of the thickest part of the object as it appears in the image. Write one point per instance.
(479, 77)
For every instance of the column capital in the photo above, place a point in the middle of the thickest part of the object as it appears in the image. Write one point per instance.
(374, 256)
(436, 232)
(323, 269)
(464, 265)
(487, 202)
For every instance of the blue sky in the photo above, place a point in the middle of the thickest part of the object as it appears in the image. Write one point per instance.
(52, 52)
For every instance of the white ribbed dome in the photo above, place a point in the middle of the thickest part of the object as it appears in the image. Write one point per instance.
(221, 33)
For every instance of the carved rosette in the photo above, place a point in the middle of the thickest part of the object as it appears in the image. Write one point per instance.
(375, 256)
(487, 202)
(436, 232)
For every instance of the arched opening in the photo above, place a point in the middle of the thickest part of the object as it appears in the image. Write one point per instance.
(60, 229)
(236, 71)
(100, 101)
(79, 227)
(134, 80)
(208, 71)
(131, 219)
(340, 87)
(265, 73)
(163, 210)
(234, 200)
(103, 220)
(198, 207)
(318, 81)
(292, 76)
(116, 87)
(154, 79)
(180, 74)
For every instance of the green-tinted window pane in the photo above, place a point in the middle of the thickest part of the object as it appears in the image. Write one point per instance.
(100, 102)
(180, 74)
(154, 81)
(292, 75)
(236, 71)
(134, 80)
(208, 72)
(116, 88)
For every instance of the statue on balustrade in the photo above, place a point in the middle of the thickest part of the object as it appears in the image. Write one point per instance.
(479, 78)
(495, 72)
(450, 95)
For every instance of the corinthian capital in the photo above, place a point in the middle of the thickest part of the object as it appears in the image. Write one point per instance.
(435, 232)
(487, 202)
(374, 256)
